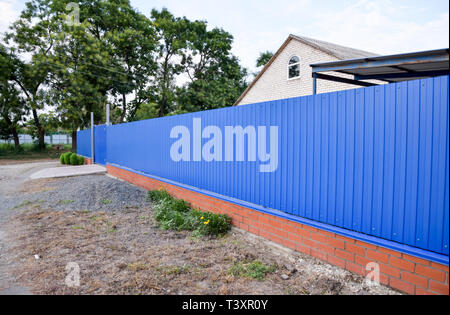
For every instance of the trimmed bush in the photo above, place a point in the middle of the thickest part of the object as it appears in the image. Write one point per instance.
(70, 158)
(67, 157)
(73, 159)
(175, 214)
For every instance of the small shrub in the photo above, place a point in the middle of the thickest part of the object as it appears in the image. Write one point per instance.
(175, 214)
(61, 159)
(157, 195)
(73, 159)
(212, 223)
(67, 157)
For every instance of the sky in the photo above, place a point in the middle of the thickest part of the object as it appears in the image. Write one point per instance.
(379, 26)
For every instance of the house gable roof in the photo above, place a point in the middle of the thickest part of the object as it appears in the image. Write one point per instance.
(338, 51)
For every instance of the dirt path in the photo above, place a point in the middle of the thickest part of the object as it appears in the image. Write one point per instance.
(12, 177)
(105, 227)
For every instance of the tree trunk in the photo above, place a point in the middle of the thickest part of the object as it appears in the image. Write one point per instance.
(41, 132)
(124, 111)
(41, 139)
(74, 141)
(13, 131)
(162, 106)
(15, 137)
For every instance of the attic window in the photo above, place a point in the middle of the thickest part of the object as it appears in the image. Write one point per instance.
(294, 68)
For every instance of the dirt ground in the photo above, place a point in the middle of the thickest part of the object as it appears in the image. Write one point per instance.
(124, 251)
(13, 161)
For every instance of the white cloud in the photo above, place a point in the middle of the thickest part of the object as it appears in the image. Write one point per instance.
(382, 27)
(9, 12)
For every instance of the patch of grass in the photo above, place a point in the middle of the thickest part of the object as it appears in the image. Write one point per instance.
(23, 204)
(29, 151)
(77, 227)
(106, 201)
(158, 195)
(138, 266)
(255, 269)
(66, 202)
(176, 214)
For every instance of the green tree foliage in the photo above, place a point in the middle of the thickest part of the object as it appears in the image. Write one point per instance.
(146, 111)
(99, 59)
(172, 36)
(109, 53)
(78, 83)
(129, 38)
(264, 58)
(32, 34)
(12, 105)
(216, 78)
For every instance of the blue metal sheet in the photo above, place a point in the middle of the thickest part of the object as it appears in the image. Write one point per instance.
(371, 160)
(84, 143)
(100, 144)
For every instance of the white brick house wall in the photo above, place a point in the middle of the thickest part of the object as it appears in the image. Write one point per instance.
(274, 83)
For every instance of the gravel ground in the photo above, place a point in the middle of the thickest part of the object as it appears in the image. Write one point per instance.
(92, 192)
(105, 225)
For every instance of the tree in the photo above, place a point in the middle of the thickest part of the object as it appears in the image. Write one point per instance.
(78, 83)
(129, 38)
(106, 54)
(12, 111)
(146, 111)
(216, 78)
(264, 58)
(33, 34)
(12, 106)
(172, 40)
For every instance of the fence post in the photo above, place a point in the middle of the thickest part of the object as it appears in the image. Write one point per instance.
(107, 114)
(92, 137)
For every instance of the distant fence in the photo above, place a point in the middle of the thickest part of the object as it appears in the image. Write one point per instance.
(84, 143)
(371, 160)
(52, 139)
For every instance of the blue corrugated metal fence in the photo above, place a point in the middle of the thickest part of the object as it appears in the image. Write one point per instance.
(84, 143)
(100, 144)
(371, 160)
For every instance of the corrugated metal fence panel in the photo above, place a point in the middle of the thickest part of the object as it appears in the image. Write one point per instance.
(100, 144)
(371, 160)
(84, 143)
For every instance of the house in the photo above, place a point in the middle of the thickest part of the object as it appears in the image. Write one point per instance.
(288, 73)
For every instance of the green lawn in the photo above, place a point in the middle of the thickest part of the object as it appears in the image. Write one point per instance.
(29, 152)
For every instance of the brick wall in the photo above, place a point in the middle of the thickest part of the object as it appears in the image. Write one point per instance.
(400, 271)
(274, 85)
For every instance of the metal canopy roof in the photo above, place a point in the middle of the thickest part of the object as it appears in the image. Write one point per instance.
(391, 68)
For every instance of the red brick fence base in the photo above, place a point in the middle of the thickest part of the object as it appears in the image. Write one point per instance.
(87, 161)
(403, 272)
